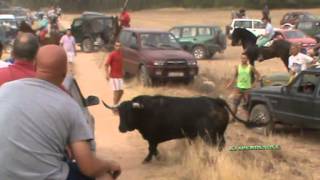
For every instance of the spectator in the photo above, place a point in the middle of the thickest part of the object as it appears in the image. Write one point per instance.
(114, 73)
(68, 43)
(2, 63)
(125, 18)
(243, 77)
(35, 127)
(25, 48)
(298, 61)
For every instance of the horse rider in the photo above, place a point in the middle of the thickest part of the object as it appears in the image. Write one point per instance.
(43, 27)
(268, 35)
(124, 18)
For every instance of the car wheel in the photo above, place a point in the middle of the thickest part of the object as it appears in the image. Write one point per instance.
(144, 77)
(87, 45)
(211, 54)
(199, 52)
(261, 115)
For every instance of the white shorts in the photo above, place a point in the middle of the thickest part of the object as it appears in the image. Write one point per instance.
(70, 56)
(116, 84)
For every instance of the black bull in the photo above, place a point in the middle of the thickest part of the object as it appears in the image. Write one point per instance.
(162, 118)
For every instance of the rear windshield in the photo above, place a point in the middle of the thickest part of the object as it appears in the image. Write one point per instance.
(243, 24)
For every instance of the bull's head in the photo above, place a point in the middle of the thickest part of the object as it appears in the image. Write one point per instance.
(128, 112)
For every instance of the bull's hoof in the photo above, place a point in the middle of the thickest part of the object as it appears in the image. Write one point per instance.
(158, 157)
(146, 161)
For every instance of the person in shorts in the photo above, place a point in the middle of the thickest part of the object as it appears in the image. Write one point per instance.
(243, 79)
(114, 73)
(68, 43)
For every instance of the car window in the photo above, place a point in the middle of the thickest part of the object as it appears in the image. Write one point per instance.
(158, 41)
(294, 34)
(77, 23)
(133, 40)
(258, 25)
(97, 25)
(124, 38)
(307, 84)
(176, 32)
(305, 25)
(286, 17)
(243, 24)
(204, 31)
(189, 32)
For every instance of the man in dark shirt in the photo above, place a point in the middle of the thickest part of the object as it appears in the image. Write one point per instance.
(25, 48)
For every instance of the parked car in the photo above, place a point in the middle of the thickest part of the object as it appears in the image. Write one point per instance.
(295, 104)
(312, 28)
(155, 55)
(255, 26)
(201, 41)
(72, 87)
(94, 30)
(295, 17)
(296, 36)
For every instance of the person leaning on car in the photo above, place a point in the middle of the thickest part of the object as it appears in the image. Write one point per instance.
(243, 79)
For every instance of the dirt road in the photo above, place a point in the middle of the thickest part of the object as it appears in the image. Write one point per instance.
(298, 158)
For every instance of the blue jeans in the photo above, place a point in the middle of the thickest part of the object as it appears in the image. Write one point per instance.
(75, 173)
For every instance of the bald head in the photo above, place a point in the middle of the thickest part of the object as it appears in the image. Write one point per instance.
(51, 64)
(25, 46)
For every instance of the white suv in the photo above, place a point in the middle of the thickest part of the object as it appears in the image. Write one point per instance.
(253, 25)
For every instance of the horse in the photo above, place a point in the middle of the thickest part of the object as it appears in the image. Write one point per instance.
(279, 48)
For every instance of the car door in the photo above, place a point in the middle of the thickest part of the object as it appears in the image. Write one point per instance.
(130, 51)
(296, 105)
(188, 37)
(316, 120)
(76, 29)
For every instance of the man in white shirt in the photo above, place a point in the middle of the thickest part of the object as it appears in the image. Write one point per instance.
(297, 61)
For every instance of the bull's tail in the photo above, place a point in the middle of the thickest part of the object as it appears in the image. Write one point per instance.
(226, 105)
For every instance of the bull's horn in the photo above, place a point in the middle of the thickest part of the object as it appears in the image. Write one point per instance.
(137, 105)
(109, 107)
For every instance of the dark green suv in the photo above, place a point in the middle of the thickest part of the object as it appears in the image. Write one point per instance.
(312, 28)
(296, 103)
(94, 30)
(202, 41)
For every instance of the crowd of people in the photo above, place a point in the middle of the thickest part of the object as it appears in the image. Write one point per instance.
(36, 128)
